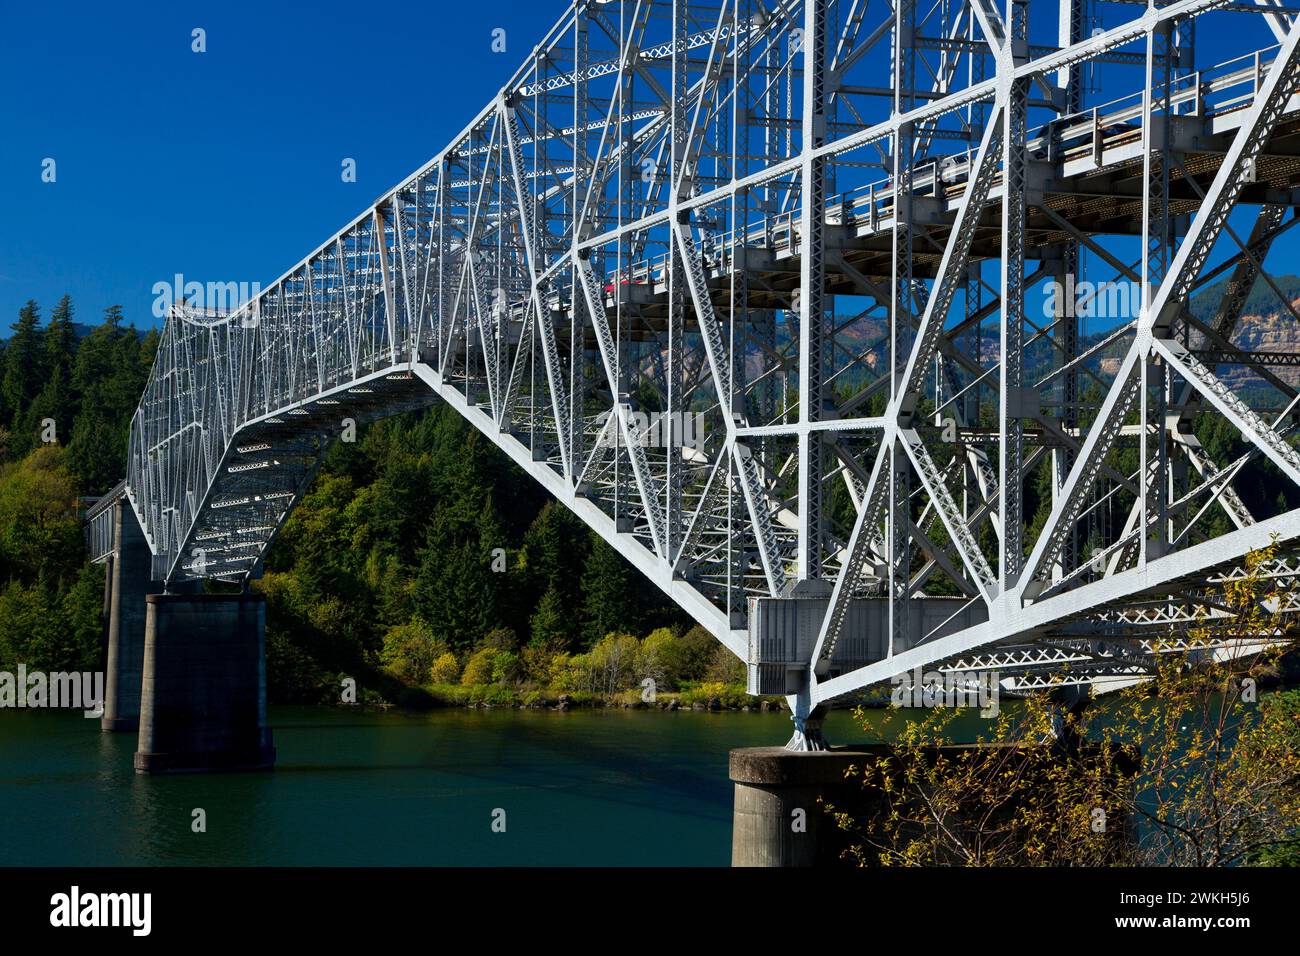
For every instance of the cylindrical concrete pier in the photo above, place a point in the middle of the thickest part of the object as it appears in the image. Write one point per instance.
(203, 697)
(777, 820)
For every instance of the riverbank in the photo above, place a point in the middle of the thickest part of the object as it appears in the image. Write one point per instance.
(706, 697)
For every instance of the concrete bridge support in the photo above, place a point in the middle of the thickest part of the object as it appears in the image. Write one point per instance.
(777, 819)
(203, 696)
(129, 582)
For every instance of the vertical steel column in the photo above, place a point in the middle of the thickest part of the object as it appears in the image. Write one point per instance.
(1070, 79)
(742, 323)
(1157, 239)
(629, 176)
(678, 291)
(581, 175)
(1011, 380)
(900, 320)
(812, 225)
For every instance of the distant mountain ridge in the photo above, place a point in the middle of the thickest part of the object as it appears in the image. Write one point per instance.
(1261, 302)
(1266, 325)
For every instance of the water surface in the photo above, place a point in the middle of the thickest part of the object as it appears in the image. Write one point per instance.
(351, 787)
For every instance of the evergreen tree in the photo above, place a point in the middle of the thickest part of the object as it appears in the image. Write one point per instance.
(555, 549)
(549, 626)
(453, 593)
(56, 402)
(610, 590)
(145, 351)
(456, 590)
(108, 376)
(22, 376)
(60, 341)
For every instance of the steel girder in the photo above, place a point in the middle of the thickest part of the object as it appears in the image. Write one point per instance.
(754, 288)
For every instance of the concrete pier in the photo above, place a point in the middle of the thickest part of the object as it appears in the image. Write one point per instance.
(203, 694)
(777, 820)
(129, 583)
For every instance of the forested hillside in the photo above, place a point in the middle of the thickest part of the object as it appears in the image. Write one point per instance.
(422, 550)
(66, 399)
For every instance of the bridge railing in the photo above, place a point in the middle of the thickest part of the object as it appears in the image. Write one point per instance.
(99, 519)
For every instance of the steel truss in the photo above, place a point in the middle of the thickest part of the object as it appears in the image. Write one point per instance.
(757, 289)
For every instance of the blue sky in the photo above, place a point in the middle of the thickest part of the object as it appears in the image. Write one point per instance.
(223, 165)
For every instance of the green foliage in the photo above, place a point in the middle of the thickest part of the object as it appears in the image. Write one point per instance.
(549, 623)
(537, 661)
(709, 692)
(410, 651)
(610, 594)
(614, 663)
(698, 649)
(51, 632)
(506, 667)
(88, 388)
(415, 521)
(56, 399)
(663, 658)
(500, 639)
(1279, 725)
(725, 667)
(1184, 769)
(449, 695)
(494, 695)
(445, 670)
(39, 532)
(568, 673)
(51, 598)
(478, 669)
(292, 675)
(22, 375)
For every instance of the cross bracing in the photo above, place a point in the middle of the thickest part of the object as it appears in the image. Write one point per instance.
(760, 291)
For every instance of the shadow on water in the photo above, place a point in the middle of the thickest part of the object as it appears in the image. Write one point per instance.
(577, 760)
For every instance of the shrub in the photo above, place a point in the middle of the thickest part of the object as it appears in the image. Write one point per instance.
(536, 661)
(499, 639)
(478, 669)
(614, 663)
(445, 669)
(725, 667)
(494, 694)
(698, 647)
(729, 695)
(410, 650)
(292, 675)
(568, 673)
(506, 668)
(450, 695)
(663, 658)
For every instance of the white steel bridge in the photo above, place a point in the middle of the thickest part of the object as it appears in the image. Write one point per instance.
(759, 290)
